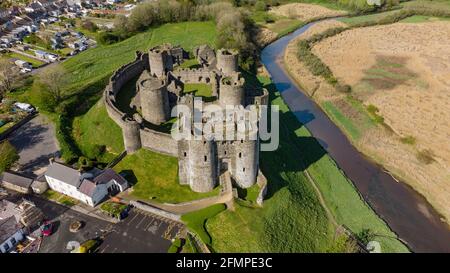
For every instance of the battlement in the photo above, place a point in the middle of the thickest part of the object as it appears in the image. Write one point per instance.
(159, 87)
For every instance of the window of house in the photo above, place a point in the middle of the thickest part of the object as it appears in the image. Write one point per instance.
(13, 241)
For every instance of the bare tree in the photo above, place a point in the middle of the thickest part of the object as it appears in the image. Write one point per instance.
(54, 79)
(8, 75)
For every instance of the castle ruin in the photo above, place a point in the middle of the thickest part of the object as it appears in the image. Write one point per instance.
(160, 87)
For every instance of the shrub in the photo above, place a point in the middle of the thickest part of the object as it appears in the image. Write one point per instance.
(426, 157)
(107, 38)
(343, 88)
(408, 140)
(90, 26)
(260, 6)
(373, 111)
(8, 155)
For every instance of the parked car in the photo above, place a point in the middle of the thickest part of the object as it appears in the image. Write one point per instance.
(25, 70)
(47, 229)
(24, 107)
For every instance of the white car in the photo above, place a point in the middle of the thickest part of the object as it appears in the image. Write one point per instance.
(25, 70)
(24, 107)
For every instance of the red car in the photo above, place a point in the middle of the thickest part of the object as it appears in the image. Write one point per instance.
(47, 228)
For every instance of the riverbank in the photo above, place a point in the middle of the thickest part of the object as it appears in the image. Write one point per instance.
(406, 212)
(391, 135)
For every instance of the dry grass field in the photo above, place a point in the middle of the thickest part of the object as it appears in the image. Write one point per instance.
(400, 77)
(305, 12)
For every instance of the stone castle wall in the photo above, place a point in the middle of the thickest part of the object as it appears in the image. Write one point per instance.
(134, 136)
(200, 162)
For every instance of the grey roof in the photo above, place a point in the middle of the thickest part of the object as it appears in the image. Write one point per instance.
(15, 179)
(108, 175)
(64, 173)
(8, 209)
(8, 227)
(87, 187)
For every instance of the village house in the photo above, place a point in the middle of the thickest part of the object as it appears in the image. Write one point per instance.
(89, 187)
(16, 220)
(16, 182)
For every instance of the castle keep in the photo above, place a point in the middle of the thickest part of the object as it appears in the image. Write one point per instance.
(160, 87)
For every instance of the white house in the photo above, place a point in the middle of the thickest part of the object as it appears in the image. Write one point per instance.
(11, 233)
(89, 187)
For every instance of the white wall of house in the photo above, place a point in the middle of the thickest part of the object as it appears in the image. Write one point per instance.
(57, 185)
(11, 241)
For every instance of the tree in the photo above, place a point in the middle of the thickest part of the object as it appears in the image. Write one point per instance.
(8, 155)
(8, 75)
(54, 79)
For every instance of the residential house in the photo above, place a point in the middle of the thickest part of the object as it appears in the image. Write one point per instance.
(24, 211)
(89, 187)
(11, 233)
(16, 220)
(14, 181)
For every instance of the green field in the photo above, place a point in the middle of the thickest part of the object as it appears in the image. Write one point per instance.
(96, 128)
(89, 73)
(155, 178)
(95, 64)
(196, 220)
(292, 219)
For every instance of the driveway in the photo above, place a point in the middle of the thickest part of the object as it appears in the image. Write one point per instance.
(36, 143)
(141, 232)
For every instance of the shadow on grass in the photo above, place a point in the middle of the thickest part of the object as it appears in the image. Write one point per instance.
(295, 154)
(129, 176)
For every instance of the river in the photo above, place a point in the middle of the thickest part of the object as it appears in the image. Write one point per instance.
(406, 212)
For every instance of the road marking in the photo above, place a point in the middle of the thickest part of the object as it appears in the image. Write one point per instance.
(151, 221)
(140, 222)
(136, 215)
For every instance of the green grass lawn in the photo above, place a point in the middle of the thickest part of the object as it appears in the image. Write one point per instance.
(292, 219)
(338, 117)
(6, 126)
(196, 220)
(155, 177)
(199, 89)
(59, 198)
(97, 128)
(191, 63)
(97, 63)
(35, 63)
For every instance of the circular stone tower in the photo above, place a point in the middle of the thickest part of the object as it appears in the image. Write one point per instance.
(202, 165)
(245, 169)
(154, 100)
(160, 61)
(227, 61)
(231, 90)
(131, 135)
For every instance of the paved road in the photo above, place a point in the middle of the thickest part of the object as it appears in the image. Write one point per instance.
(62, 217)
(36, 143)
(141, 232)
